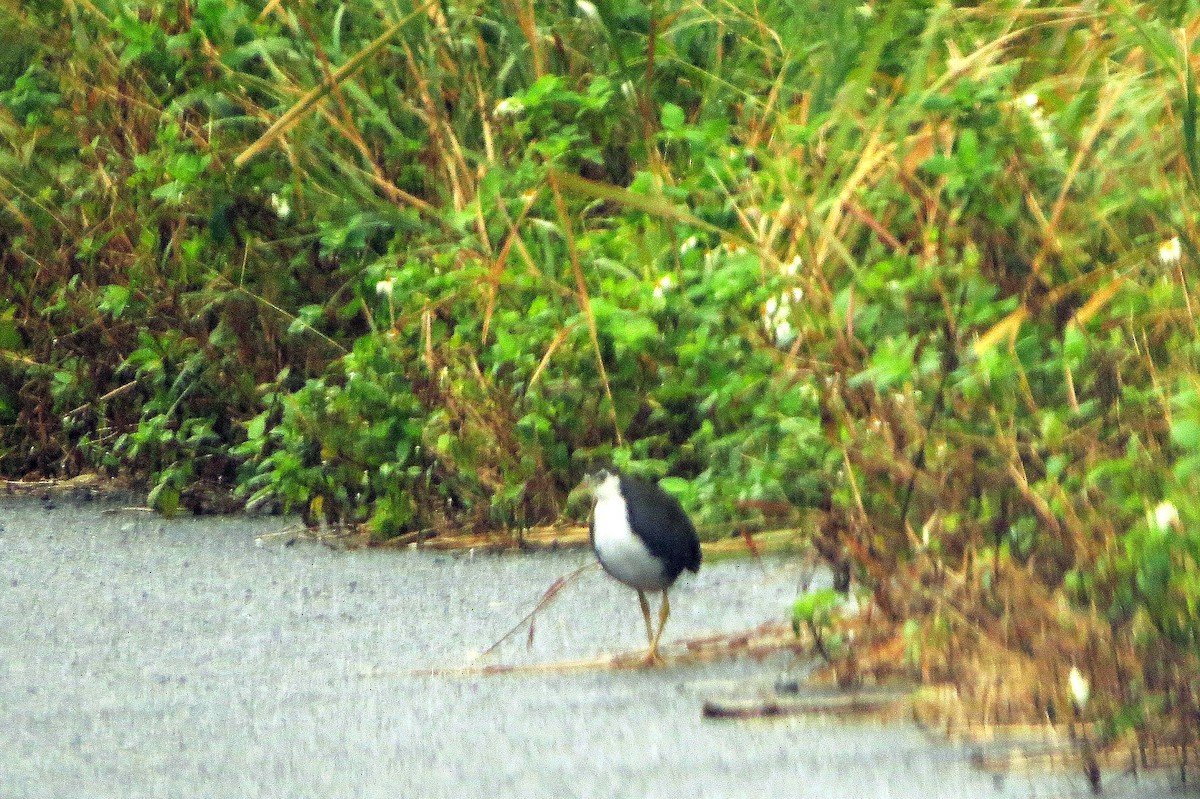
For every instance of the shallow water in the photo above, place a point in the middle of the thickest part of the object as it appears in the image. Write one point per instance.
(146, 657)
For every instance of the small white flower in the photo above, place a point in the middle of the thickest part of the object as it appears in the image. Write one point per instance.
(509, 106)
(1169, 252)
(783, 333)
(691, 243)
(280, 204)
(1042, 126)
(776, 316)
(384, 288)
(793, 266)
(588, 9)
(1166, 516)
(663, 285)
(1029, 100)
(1078, 686)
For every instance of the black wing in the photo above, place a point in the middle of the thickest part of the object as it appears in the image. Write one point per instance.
(662, 524)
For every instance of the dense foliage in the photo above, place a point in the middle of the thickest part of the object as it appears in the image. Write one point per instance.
(924, 269)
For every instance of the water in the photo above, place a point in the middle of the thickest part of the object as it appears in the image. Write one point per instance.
(141, 657)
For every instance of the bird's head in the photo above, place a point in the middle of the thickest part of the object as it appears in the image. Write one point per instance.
(602, 480)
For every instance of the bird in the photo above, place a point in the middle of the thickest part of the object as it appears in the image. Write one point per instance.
(644, 539)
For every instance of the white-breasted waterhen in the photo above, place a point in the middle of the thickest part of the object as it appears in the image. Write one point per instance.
(643, 538)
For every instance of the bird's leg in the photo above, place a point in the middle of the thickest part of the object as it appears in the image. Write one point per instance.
(652, 657)
(664, 611)
(646, 615)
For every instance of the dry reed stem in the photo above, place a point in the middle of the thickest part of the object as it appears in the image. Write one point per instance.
(393, 192)
(116, 392)
(644, 109)
(1108, 99)
(873, 154)
(297, 112)
(885, 235)
(427, 336)
(219, 278)
(527, 22)
(327, 73)
(585, 302)
(433, 123)
(756, 132)
(557, 341)
(758, 643)
(1010, 325)
(273, 7)
(547, 597)
(501, 260)
(658, 207)
(1152, 370)
(485, 121)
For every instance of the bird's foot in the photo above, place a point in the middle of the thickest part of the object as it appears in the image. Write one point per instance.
(653, 659)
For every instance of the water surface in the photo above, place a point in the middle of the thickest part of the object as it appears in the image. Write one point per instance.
(141, 657)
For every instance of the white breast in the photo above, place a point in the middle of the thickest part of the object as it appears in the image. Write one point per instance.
(621, 553)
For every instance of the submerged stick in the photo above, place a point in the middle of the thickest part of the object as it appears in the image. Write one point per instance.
(759, 642)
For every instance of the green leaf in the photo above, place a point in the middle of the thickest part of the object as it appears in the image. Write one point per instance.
(164, 498)
(674, 485)
(672, 117)
(1191, 140)
(10, 333)
(968, 150)
(113, 300)
(256, 426)
(815, 608)
(1185, 433)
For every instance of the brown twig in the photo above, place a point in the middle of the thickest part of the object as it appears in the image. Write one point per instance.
(529, 618)
(116, 392)
(585, 302)
(297, 112)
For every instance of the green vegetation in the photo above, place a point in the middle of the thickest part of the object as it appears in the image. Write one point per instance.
(814, 611)
(925, 270)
